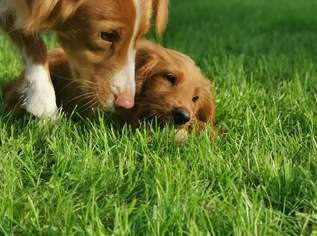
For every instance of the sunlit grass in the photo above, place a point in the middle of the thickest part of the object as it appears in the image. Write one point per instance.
(81, 177)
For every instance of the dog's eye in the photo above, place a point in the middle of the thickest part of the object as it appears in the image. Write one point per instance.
(171, 78)
(195, 98)
(110, 36)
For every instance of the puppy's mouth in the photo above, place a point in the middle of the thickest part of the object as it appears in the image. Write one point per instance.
(164, 120)
(162, 114)
(156, 120)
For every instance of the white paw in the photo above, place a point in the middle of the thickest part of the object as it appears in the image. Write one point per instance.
(38, 93)
(40, 101)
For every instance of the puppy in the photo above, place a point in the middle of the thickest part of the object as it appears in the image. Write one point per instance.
(169, 87)
(98, 36)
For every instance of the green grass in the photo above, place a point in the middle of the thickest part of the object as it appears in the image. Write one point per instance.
(260, 178)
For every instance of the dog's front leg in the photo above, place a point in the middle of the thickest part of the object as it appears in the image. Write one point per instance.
(37, 91)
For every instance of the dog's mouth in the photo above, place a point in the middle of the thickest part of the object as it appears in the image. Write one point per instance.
(95, 92)
(108, 105)
(161, 114)
(162, 121)
(156, 120)
(95, 102)
(104, 99)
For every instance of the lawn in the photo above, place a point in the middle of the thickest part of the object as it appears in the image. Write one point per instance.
(81, 177)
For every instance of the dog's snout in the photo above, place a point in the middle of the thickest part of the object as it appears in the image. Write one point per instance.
(124, 101)
(180, 116)
(123, 87)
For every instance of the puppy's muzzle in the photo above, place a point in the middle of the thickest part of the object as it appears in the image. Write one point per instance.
(180, 116)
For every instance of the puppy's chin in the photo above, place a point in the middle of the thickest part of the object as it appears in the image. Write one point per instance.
(161, 121)
(164, 121)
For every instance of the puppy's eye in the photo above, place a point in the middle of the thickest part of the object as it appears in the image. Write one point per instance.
(111, 36)
(195, 98)
(171, 78)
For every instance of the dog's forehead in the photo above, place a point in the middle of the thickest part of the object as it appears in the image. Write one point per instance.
(133, 15)
(117, 10)
(186, 66)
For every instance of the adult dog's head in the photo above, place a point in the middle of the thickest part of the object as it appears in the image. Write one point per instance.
(171, 88)
(99, 37)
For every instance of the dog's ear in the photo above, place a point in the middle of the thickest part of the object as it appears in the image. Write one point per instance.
(146, 60)
(37, 15)
(160, 12)
(68, 8)
(206, 110)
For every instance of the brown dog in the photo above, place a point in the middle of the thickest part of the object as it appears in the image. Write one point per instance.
(169, 87)
(98, 36)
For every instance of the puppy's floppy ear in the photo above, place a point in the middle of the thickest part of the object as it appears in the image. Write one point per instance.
(160, 11)
(206, 111)
(146, 60)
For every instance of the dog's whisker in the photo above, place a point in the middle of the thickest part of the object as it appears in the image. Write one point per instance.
(87, 95)
(90, 104)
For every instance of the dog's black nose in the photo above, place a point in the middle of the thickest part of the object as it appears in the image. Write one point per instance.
(180, 116)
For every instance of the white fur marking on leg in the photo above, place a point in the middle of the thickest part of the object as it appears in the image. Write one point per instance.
(38, 92)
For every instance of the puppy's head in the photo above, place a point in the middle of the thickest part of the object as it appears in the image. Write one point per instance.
(171, 88)
(100, 38)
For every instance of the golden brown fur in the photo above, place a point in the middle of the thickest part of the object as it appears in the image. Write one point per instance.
(95, 62)
(37, 15)
(156, 96)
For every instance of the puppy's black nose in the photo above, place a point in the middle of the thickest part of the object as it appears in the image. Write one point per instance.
(180, 116)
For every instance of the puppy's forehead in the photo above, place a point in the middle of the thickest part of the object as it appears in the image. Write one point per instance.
(184, 65)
